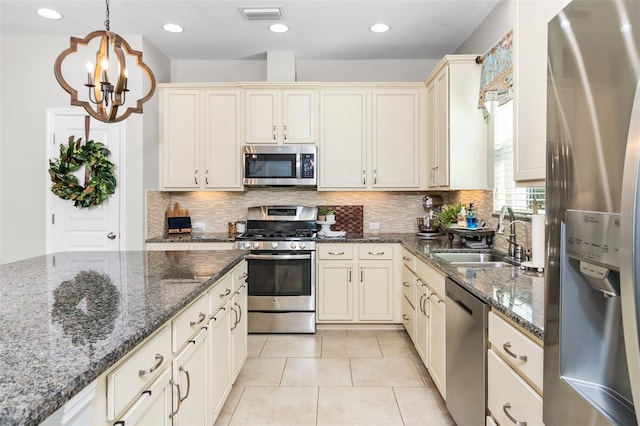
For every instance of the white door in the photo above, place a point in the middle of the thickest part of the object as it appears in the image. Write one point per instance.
(83, 229)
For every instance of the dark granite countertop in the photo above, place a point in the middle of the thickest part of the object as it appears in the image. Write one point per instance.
(67, 317)
(195, 237)
(516, 293)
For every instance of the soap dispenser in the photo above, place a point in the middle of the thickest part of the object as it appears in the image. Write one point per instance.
(462, 217)
(471, 218)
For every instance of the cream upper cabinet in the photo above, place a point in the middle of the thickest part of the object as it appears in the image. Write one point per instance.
(371, 137)
(344, 136)
(456, 130)
(396, 137)
(180, 138)
(200, 140)
(281, 116)
(530, 86)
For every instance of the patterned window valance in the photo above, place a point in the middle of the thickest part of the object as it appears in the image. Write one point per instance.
(496, 78)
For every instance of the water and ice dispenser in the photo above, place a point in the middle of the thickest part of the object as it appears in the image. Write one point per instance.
(592, 352)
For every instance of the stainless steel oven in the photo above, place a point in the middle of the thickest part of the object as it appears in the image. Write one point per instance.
(281, 291)
(281, 269)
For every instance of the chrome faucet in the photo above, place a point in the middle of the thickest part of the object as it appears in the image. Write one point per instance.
(515, 250)
(506, 208)
(512, 229)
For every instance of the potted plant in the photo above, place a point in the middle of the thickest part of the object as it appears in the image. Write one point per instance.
(448, 215)
(326, 214)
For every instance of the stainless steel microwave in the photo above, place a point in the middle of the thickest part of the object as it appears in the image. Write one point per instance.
(279, 165)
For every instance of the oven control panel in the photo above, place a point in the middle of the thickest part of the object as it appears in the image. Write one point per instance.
(276, 245)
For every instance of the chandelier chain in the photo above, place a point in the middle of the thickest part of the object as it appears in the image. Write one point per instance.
(106, 22)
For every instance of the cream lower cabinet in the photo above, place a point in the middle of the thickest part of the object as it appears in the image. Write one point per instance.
(183, 373)
(371, 137)
(355, 283)
(190, 381)
(515, 374)
(430, 323)
(219, 353)
(154, 405)
(200, 138)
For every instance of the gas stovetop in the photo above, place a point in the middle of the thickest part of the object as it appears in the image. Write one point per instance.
(279, 228)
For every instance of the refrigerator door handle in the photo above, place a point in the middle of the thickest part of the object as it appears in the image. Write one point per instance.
(630, 246)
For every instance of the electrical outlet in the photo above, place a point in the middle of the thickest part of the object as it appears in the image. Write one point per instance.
(199, 226)
(374, 225)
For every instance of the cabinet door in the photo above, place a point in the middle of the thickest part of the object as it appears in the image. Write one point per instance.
(261, 116)
(375, 291)
(180, 138)
(219, 357)
(530, 87)
(190, 376)
(432, 131)
(238, 331)
(343, 139)
(422, 322)
(153, 406)
(396, 139)
(335, 291)
(222, 140)
(442, 128)
(437, 346)
(299, 112)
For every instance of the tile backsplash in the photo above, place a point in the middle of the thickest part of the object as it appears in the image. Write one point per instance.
(394, 211)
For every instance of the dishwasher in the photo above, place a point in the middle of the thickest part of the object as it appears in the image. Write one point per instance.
(466, 328)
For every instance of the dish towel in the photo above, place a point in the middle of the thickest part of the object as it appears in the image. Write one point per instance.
(477, 244)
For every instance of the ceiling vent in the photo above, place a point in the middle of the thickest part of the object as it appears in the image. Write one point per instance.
(261, 13)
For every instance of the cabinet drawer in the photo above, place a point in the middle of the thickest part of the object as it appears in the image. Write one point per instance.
(504, 338)
(509, 395)
(409, 285)
(127, 380)
(409, 318)
(190, 321)
(375, 251)
(239, 276)
(222, 292)
(334, 251)
(431, 276)
(408, 259)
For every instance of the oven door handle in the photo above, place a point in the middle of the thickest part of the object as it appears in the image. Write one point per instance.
(276, 256)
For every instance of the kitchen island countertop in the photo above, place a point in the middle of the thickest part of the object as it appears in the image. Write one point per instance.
(67, 317)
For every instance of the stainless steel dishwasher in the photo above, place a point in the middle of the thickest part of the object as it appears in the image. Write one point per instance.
(466, 327)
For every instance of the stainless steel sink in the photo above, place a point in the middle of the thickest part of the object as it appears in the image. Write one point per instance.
(473, 260)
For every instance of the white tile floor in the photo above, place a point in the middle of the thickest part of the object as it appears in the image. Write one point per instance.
(333, 378)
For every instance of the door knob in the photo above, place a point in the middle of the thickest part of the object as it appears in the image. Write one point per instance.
(111, 236)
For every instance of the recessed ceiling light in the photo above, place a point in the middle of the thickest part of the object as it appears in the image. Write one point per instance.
(379, 28)
(278, 28)
(49, 13)
(173, 28)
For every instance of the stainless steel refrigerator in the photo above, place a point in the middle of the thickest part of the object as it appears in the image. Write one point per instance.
(592, 354)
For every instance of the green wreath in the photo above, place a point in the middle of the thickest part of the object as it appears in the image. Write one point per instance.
(93, 155)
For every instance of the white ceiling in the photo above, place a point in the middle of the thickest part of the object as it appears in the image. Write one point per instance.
(214, 29)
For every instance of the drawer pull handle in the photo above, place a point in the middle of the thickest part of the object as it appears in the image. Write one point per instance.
(376, 253)
(188, 383)
(506, 407)
(336, 253)
(179, 400)
(227, 291)
(404, 317)
(405, 284)
(159, 359)
(507, 349)
(235, 320)
(243, 276)
(201, 318)
(406, 258)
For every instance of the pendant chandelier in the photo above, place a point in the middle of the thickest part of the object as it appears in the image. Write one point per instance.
(106, 91)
